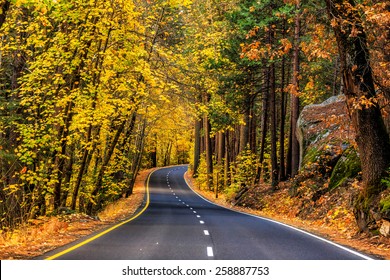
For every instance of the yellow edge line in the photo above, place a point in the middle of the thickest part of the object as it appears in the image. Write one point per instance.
(111, 228)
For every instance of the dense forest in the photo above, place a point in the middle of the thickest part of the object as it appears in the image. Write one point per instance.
(93, 91)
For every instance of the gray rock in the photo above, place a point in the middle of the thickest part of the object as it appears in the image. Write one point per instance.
(385, 228)
(324, 125)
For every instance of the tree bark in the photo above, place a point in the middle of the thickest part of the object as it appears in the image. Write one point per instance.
(273, 118)
(137, 159)
(245, 128)
(264, 123)
(253, 130)
(226, 180)
(99, 180)
(371, 135)
(60, 157)
(295, 98)
(274, 158)
(282, 168)
(220, 147)
(208, 146)
(196, 147)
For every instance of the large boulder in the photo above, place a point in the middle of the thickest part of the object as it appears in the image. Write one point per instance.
(326, 140)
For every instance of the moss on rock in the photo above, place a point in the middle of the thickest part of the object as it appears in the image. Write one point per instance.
(312, 155)
(385, 204)
(348, 166)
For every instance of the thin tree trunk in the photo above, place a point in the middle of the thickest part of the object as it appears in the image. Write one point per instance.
(237, 141)
(68, 176)
(81, 170)
(274, 158)
(137, 163)
(244, 129)
(295, 98)
(209, 153)
(335, 77)
(253, 129)
(59, 158)
(273, 118)
(208, 146)
(264, 124)
(282, 168)
(197, 147)
(99, 181)
(221, 147)
(167, 155)
(226, 180)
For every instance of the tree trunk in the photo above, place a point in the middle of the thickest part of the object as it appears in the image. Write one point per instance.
(371, 135)
(208, 145)
(99, 181)
(81, 170)
(209, 153)
(264, 124)
(68, 176)
(196, 147)
(226, 180)
(273, 118)
(282, 168)
(60, 157)
(252, 130)
(221, 147)
(245, 128)
(167, 155)
(137, 163)
(274, 158)
(295, 98)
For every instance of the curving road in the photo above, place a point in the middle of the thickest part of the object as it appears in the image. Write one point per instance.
(178, 224)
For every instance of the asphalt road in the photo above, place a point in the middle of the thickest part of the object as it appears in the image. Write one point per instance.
(178, 224)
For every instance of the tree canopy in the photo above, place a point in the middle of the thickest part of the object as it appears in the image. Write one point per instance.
(93, 91)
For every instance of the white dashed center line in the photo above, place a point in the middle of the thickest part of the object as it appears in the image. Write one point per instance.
(210, 252)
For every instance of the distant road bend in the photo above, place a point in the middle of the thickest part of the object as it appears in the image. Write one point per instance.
(176, 223)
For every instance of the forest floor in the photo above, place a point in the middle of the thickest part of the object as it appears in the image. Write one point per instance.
(47, 233)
